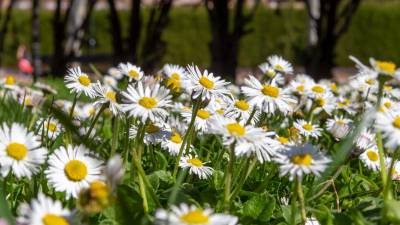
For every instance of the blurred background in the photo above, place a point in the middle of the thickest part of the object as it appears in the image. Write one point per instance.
(230, 37)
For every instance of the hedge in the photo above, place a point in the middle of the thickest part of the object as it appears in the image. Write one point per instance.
(374, 32)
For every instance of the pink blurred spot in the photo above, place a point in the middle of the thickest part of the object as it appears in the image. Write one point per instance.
(25, 66)
(3, 222)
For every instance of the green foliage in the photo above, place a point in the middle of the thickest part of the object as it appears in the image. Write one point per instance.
(374, 32)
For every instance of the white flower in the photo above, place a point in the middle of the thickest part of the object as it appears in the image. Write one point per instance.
(248, 140)
(131, 71)
(173, 143)
(307, 129)
(317, 90)
(203, 120)
(154, 132)
(50, 127)
(43, 211)
(190, 215)
(196, 166)
(370, 158)
(20, 152)
(149, 102)
(176, 77)
(280, 65)
(365, 140)
(79, 82)
(106, 95)
(114, 171)
(300, 160)
(389, 124)
(73, 168)
(110, 81)
(205, 85)
(339, 126)
(9, 83)
(240, 109)
(115, 73)
(268, 97)
(324, 102)
(312, 221)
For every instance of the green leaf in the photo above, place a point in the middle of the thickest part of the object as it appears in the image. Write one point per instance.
(392, 211)
(268, 210)
(218, 179)
(259, 207)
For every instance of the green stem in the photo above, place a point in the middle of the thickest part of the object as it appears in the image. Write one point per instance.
(301, 201)
(114, 141)
(228, 178)
(186, 137)
(71, 113)
(142, 188)
(251, 116)
(293, 204)
(95, 120)
(242, 179)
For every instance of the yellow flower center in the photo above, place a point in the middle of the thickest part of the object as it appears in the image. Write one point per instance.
(195, 217)
(320, 102)
(99, 190)
(203, 114)
(370, 81)
(148, 103)
(75, 170)
(220, 111)
(242, 105)
(173, 83)
(340, 122)
(52, 127)
(84, 80)
(195, 162)
(176, 138)
(175, 76)
(278, 67)
(333, 87)
(387, 67)
(52, 219)
(387, 104)
(151, 129)
(308, 127)
(17, 151)
(270, 73)
(283, 140)
(236, 129)
(10, 80)
(270, 90)
(302, 160)
(207, 83)
(373, 156)
(133, 73)
(300, 88)
(318, 89)
(396, 122)
(111, 96)
(28, 100)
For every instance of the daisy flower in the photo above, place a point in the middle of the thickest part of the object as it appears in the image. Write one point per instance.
(43, 211)
(365, 140)
(267, 97)
(325, 102)
(110, 81)
(115, 73)
(189, 215)
(10, 83)
(196, 166)
(300, 160)
(203, 120)
(20, 152)
(271, 73)
(317, 90)
(389, 124)
(73, 168)
(205, 85)
(339, 126)
(46, 89)
(146, 102)
(241, 109)
(307, 129)
(280, 65)
(248, 140)
(173, 143)
(79, 82)
(370, 158)
(131, 71)
(176, 77)
(396, 171)
(106, 95)
(154, 132)
(49, 127)
(385, 67)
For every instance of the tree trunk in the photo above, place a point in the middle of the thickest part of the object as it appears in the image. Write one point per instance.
(116, 32)
(36, 59)
(4, 28)
(58, 64)
(134, 31)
